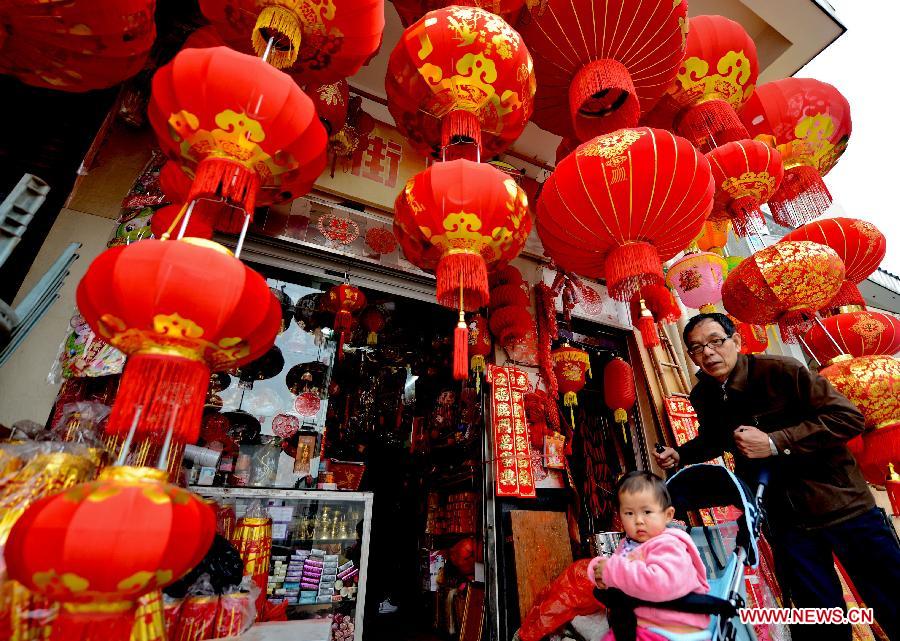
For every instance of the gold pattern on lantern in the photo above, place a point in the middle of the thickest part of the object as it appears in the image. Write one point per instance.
(728, 81)
(611, 147)
(758, 185)
(869, 329)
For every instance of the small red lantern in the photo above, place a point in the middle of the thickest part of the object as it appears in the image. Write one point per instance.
(372, 320)
(331, 102)
(754, 338)
(179, 309)
(855, 334)
(784, 283)
(698, 279)
(808, 121)
(859, 244)
(344, 300)
(619, 391)
(651, 305)
(460, 74)
(99, 546)
(714, 235)
(166, 222)
(479, 345)
(747, 173)
(570, 365)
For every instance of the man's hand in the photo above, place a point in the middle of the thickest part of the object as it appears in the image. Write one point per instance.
(667, 459)
(752, 442)
(598, 573)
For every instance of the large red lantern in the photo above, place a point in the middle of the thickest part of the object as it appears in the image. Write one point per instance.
(859, 244)
(784, 283)
(754, 338)
(619, 391)
(372, 320)
(600, 65)
(570, 365)
(322, 42)
(460, 74)
(855, 334)
(717, 76)
(75, 45)
(604, 213)
(698, 279)
(97, 547)
(241, 129)
(166, 222)
(412, 10)
(808, 121)
(179, 309)
(651, 305)
(747, 173)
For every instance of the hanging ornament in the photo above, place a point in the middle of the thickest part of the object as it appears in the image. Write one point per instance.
(808, 122)
(619, 391)
(196, 309)
(598, 68)
(344, 300)
(714, 235)
(746, 174)
(600, 216)
(331, 102)
(651, 305)
(479, 347)
(285, 425)
(338, 229)
(852, 334)
(460, 74)
(381, 240)
(267, 366)
(510, 321)
(474, 217)
(570, 365)
(784, 283)
(859, 244)
(698, 279)
(754, 338)
(307, 404)
(372, 320)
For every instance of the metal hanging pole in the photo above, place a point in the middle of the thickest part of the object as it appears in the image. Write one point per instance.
(240, 243)
(185, 221)
(265, 56)
(828, 334)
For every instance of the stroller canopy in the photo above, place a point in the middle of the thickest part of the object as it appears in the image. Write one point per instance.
(704, 486)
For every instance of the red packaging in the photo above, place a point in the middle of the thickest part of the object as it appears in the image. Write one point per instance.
(171, 612)
(197, 619)
(233, 614)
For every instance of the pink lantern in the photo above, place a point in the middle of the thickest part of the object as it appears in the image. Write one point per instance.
(698, 279)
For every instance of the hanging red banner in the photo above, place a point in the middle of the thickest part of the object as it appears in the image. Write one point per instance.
(512, 452)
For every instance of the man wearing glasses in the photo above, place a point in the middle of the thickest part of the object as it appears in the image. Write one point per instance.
(773, 411)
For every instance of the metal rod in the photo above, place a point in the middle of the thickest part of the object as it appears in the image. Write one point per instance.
(809, 351)
(186, 220)
(163, 462)
(265, 56)
(123, 453)
(240, 243)
(828, 334)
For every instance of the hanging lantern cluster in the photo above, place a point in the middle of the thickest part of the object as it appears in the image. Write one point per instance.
(619, 391)
(698, 278)
(862, 333)
(571, 365)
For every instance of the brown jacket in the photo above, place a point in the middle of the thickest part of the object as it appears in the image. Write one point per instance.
(815, 481)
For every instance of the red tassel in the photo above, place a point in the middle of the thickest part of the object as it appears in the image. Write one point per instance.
(746, 217)
(170, 390)
(602, 99)
(461, 350)
(468, 271)
(847, 296)
(711, 124)
(802, 197)
(649, 333)
(632, 266)
(221, 178)
(343, 321)
(461, 135)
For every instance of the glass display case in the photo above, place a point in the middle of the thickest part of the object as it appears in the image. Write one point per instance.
(320, 553)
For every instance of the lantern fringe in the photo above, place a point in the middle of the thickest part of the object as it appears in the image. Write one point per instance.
(227, 179)
(711, 124)
(458, 128)
(602, 99)
(794, 324)
(620, 415)
(847, 295)
(170, 390)
(277, 22)
(468, 271)
(802, 197)
(461, 350)
(708, 308)
(746, 217)
(477, 364)
(632, 266)
(649, 334)
(75, 622)
(372, 339)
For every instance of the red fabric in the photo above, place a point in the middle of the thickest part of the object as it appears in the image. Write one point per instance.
(647, 46)
(856, 333)
(412, 10)
(569, 595)
(618, 385)
(76, 45)
(879, 447)
(504, 81)
(754, 338)
(199, 225)
(607, 195)
(331, 102)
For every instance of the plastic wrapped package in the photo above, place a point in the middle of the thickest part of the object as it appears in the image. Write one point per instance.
(571, 594)
(81, 422)
(253, 539)
(204, 613)
(222, 566)
(264, 464)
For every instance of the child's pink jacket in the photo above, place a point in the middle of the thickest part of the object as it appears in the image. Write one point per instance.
(666, 567)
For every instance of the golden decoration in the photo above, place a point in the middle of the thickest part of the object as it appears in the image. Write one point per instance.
(729, 81)
(612, 147)
(758, 185)
(869, 329)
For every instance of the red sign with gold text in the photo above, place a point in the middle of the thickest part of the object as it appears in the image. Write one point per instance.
(512, 450)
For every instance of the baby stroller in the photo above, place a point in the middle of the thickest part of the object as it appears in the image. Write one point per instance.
(693, 488)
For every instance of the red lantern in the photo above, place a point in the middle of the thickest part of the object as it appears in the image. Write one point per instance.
(243, 130)
(462, 555)
(601, 65)
(619, 391)
(412, 10)
(331, 102)
(99, 546)
(651, 305)
(76, 45)
(872, 383)
(784, 283)
(372, 320)
(714, 235)
(344, 300)
(808, 121)
(859, 244)
(698, 279)
(474, 216)
(570, 365)
(510, 321)
(746, 173)
(323, 42)
(479, 343)
(856, 334)
(178, 309)
(166, 222)
(754, 338)
(460, 74)
(603, 213)
(717, 76)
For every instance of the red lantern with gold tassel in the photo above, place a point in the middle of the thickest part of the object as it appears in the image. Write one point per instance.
(747, 173)
(242, 130)
(855, 334)
(651, 305)
(808, 122)
(344, 301)
(601, 213)
(460, 74)
(570, 365)
(474, 216)
(859, 244)
(97, 547)
(479, 344)
(179, 309)
(372, 320)
(619, 391)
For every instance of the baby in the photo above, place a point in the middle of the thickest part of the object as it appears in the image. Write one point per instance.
(653, 562)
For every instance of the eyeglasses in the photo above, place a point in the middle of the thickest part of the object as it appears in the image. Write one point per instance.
(715, 343)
